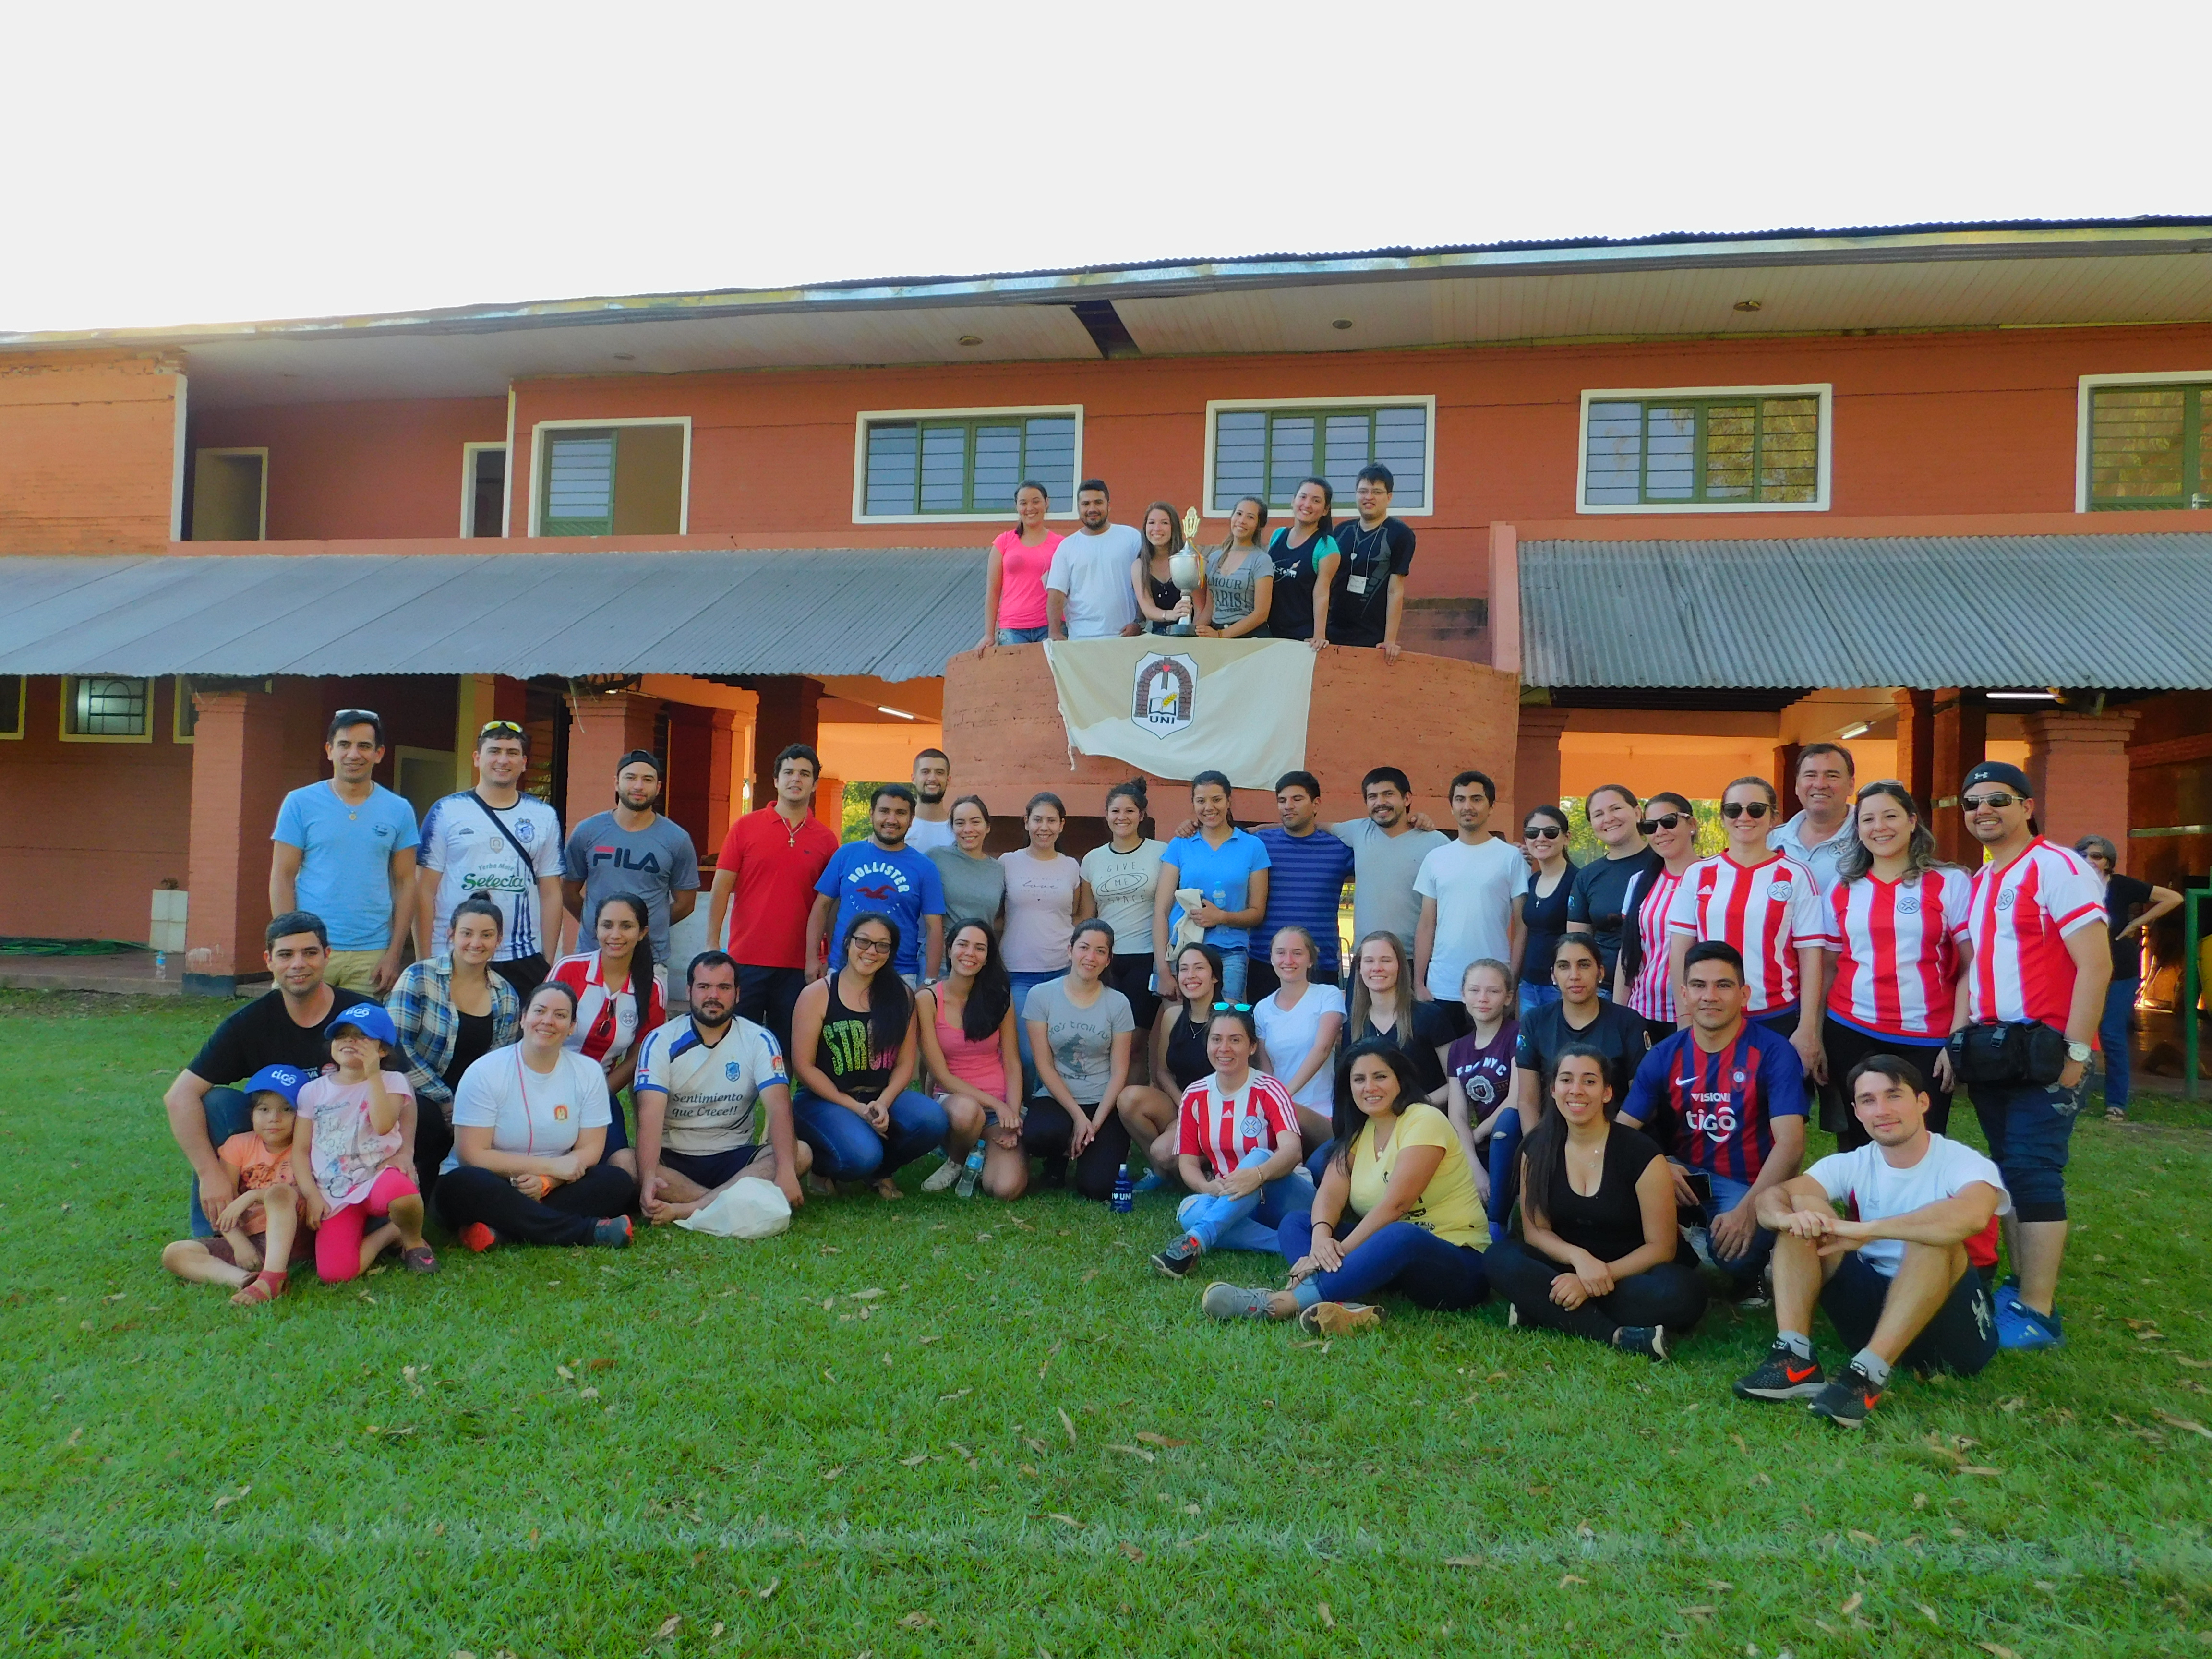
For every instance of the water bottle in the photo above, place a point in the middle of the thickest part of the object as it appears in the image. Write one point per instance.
(971, 1171)
(160, 965)
(1125, 1195)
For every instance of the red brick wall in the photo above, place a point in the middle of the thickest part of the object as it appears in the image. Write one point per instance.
(88, 449)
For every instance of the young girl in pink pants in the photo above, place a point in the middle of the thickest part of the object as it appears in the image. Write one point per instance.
(355, 1156)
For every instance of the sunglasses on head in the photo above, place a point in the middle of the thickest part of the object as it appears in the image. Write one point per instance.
(1995, 799)
(356, 717)
(1224, 1007)
(1542, 832)
(500, 729)
(1664, 821)
(1754, 809)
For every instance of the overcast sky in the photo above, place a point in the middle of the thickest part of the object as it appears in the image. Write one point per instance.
(262, 161)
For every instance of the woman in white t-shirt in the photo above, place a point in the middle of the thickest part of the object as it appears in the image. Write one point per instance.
(1043, 887)
(1299, 1025)
(1119, 881)
(529, 1124)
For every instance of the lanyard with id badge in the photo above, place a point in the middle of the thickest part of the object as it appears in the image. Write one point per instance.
(1371, 551)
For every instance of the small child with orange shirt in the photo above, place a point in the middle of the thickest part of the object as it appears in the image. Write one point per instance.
(267, 1204)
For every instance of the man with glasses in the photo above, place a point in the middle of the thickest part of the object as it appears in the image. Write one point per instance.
(1817, 836)
(632, 849)
(343, 849)
(1597, 900)
(496, 841)
(2038, 963)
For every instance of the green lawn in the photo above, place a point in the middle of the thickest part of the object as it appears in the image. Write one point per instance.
(958, 1427)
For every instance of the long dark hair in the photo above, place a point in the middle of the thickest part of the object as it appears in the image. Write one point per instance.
(991, 994)
(1325, 525)
(890, 1005)
(1173, 990)
(1631, 932)
(1546, 1148)
(1856, 862)
(1344, 1118)
(641, 956)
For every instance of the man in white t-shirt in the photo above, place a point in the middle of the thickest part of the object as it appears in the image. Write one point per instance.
(1901, 1276)
(496, 841)
(933, 807)
(1088, 592)
(1472, 889)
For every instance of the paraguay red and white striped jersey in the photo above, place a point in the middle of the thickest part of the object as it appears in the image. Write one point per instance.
(1897, 961)
(1219, 1128)
(1652, 993)
(1767, 911)
(2019, 917)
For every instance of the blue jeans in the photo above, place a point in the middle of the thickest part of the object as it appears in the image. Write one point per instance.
(846, 1146)
(1249, 1223)
(2112, 1037)
(1412, 1261)
(228, 1113)
(1533, 997)
(1235, 961)
(1504, 1150)
(1745, 1269)
(1023, 984)
(1024, 635)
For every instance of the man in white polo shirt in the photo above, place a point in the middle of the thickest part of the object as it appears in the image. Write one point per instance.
(1089, 594)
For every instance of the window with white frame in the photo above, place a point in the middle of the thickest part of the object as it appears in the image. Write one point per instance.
(1267, 450)
(958, 464)
(1704, 448)
(97, 707)
(2143, 443)
(625, 478)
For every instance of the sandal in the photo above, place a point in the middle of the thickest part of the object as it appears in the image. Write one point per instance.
(419, 1259)
(887, 1189)
(259, 1290)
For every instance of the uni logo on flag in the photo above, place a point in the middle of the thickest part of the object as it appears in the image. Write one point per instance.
(1164, 691)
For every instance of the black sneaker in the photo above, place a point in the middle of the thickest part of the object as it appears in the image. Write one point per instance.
(1846, 1401)
(1782, 1376)
(1180, 1257)
(1649, 1340)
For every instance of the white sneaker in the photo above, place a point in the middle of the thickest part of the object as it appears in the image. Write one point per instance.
(942, 1177)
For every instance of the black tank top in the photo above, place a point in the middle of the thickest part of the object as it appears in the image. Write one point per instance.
(1609, 1223)
(843, 1050)
(1166, 596)
(1186, 1053)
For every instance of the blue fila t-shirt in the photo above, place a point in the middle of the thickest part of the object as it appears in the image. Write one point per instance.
(1718, 1109)
(901, 884)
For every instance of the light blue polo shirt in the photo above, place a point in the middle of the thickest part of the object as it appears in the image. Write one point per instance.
(345, 858)
(1223, 873)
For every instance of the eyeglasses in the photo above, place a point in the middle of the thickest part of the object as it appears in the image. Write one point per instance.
(1653, 826)
(498, 729)
(1754, 809)
(1225, 1007)
(1549, 832)
(873, 946)
(1995, 800)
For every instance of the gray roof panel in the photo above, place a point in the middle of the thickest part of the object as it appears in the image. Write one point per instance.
(2117, 611)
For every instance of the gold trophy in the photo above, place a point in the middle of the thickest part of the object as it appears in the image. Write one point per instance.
(1187, 570)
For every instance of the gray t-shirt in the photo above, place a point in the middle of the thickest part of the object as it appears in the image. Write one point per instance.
(974, 889)
(1383, 867)
(1235, 593)
(1082, 1038)
(1123, 883)
(652, 862)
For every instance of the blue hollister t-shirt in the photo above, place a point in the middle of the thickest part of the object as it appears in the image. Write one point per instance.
(1223, 873)
(1305, 883)
(345, 858)
(902, 883)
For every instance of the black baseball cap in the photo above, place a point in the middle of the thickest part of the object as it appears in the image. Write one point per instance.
(637, 755)
(1999, 772)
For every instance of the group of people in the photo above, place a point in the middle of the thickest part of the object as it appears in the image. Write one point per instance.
(1586, 1088)
(1324, 579)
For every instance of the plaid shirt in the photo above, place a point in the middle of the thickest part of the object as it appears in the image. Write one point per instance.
(422, 1005)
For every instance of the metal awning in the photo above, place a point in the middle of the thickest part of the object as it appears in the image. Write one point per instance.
(895, 613)
(2103, 612)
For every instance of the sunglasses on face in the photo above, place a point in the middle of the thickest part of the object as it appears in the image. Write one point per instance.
(1653, 826)
(1995, 800)
(1542, 832)
(1754, 809)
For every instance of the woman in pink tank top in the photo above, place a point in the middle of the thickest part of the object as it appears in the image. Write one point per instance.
(967, 1026)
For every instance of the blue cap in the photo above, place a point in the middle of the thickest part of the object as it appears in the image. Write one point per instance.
(370, 1020)
(285, 1080)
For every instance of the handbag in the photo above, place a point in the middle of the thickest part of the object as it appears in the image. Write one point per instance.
(2024, 1051)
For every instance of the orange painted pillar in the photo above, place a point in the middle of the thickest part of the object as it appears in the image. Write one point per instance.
(237, 787)
(1961, 716)
(606, 728)
(1535, 765)
(1916, 744)
(2079, 765)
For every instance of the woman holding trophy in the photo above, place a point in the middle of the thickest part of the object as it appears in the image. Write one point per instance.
(1169, 576)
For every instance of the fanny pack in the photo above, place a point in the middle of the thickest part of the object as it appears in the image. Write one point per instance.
(2026, 1052)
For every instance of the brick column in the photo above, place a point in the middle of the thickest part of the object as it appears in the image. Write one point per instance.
(234, 808)
(1961, 716)
(699, 774)
(786, 715)
(1915, 743)
(607, 727)
(1535, 762)
(1786, 756)
(2079, 765)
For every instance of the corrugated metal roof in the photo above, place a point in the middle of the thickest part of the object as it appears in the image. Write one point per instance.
(2098, 612)
(895, 613)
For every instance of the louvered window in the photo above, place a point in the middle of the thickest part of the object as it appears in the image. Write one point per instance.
(2146, 447)
(964, 465)
(1725, 451)
(579, 484)
(1267, 453)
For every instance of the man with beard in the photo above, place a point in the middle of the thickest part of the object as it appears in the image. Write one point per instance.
(632, 849)
(1087, 592)
(1387, 850)
(704, 1084)
(932, 813)
(496, 841)
(285, 1028)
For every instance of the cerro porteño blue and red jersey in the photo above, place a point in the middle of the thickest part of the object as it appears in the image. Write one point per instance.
(1721, 1107)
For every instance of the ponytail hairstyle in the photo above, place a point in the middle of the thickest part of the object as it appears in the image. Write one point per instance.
(477, 904)
(1546, 1148)
(1029, 484)
(1240, 1016)
(641, 956)
(1326, 525)
(1134, 790)
(1856, 863)
(890, 1005)
(1631, 932)
(993, 993)
(1259, 527)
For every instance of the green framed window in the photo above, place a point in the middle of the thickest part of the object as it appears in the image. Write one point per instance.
(1728, 450)
(962, 465)
(626, 479)
(2146, 447)
(1268, 451)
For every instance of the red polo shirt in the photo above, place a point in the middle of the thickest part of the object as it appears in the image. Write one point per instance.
(776, 867)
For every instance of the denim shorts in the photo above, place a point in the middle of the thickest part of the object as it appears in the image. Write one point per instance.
(1024, 635)
(2030, 1130)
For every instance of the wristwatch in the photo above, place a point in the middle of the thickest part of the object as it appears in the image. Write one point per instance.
(2078, 1052)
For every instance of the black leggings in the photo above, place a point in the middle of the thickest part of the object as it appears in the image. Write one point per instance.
(564, 1216)
(1670, 1294)
(1047, 1131)
(1846, 1046)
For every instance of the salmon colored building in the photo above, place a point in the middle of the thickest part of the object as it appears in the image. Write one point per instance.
(1684, 505)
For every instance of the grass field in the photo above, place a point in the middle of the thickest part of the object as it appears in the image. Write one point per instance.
(958, 1427)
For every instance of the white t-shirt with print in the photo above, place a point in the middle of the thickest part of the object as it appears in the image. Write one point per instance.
(466, 848)
(537, 1113)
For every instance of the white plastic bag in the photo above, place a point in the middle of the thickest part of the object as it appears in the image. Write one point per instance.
(743, 1209)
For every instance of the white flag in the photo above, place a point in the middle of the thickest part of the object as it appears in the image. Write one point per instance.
(1174, 707)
